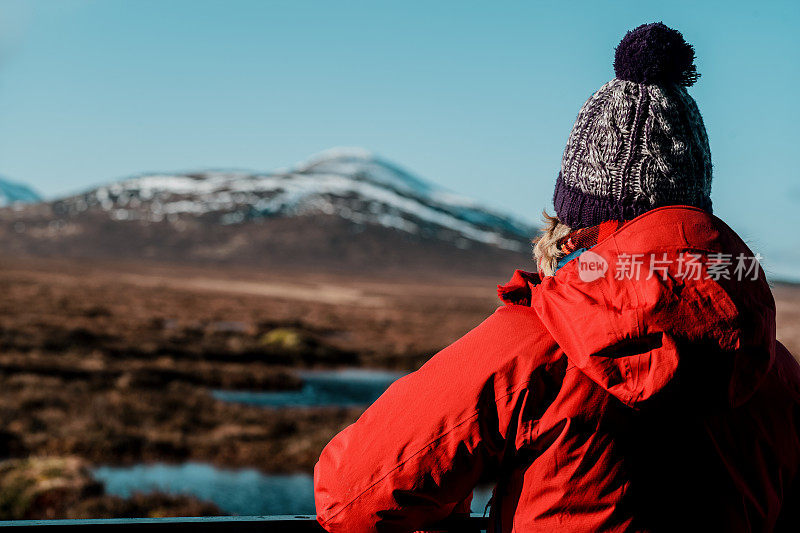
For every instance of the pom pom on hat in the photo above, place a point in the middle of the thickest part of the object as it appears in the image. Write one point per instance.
(655, 54)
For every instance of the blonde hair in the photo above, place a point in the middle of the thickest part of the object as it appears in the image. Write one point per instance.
(546, 252)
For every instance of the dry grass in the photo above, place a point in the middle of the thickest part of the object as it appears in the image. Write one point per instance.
(113, 363)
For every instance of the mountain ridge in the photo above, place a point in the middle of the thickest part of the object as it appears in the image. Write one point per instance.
(13, 192)
(365, 204)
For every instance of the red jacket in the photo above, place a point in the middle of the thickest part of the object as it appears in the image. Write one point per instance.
(623, 403)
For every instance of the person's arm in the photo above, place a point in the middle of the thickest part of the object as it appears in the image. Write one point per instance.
(415, 455)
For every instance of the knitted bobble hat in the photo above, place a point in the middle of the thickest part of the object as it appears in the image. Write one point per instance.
(639, 142)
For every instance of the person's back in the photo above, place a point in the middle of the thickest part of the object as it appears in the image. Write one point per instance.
(674, 406)
(633, 384)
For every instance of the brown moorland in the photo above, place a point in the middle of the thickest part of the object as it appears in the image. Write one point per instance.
(113, 363)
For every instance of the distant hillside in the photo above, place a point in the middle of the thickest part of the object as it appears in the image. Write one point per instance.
(12, 192)
(343, 209)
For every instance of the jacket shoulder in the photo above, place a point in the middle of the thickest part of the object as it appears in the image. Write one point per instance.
(512, 334)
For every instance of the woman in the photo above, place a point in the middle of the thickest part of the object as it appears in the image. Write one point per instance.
(633, 384)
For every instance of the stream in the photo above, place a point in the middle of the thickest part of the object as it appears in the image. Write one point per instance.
(248, 491)
(236, 491)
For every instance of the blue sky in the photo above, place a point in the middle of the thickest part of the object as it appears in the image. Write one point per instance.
(477, 96)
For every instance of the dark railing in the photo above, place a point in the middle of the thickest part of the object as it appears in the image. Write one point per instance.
(234, 524)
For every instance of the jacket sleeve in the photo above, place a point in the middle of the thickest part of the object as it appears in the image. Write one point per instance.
(415, 455)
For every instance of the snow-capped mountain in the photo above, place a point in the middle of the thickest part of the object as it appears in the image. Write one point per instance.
(344, 207)
(350, 183)
(12, 192)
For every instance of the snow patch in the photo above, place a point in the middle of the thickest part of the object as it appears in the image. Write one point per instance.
(349, 182)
